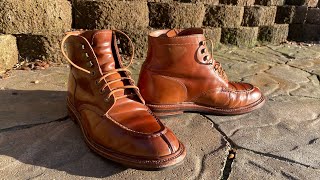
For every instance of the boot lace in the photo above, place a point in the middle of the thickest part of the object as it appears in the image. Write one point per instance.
(108, 73)
(208, 58)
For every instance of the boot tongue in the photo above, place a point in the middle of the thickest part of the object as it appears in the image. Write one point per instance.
(101, 43)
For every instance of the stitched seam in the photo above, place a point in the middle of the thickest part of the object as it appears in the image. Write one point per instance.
(95, 34)
(180, 37)
(129, 131)
(239, 91)
(180, 150)
(212, 108)
(202, 94)
(174, 79)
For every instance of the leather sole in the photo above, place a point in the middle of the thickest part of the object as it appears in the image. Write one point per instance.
(175, 109)
(158, 163)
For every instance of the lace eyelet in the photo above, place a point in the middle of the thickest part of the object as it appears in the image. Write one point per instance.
(205, 58)
(87, 55)
(97, 82)
(102, 91)
(203, 51)
(89, 64)
(82, 46)
(202, 43)
(93, 73)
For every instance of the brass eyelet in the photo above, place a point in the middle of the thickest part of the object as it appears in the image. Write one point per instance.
(83, 46)
(87, 55)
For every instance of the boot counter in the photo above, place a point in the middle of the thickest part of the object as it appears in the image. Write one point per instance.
(159, 89)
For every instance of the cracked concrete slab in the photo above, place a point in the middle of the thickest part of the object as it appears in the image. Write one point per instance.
(251, 166)
(56, 150)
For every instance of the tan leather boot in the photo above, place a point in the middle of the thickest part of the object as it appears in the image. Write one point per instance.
(104, 101)
(180, 75)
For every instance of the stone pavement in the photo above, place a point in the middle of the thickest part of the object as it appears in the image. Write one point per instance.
(279, 141)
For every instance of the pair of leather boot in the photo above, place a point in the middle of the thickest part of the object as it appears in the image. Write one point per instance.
(179, 75)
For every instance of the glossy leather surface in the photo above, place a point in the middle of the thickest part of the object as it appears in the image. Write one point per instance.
(179, 69)
(124, 126)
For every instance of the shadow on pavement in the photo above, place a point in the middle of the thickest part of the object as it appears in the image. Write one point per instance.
(36, 132)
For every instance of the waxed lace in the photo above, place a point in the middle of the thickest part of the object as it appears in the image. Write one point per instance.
(108, 73)
(216, 65)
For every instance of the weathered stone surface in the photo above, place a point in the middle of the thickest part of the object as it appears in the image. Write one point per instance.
(25, 103)
(311, 32)
(214, 34)
(211, 2)
(310, 64)
(110, 14)
(310, 3)
(270, 2)
(139, 38)
(275, 34)
(243, 36)
(186, 15)
(291, 14)
(313, 16)
(252, 166)
(238, 2)
(223, 16)
(43, 47)
(35, 16)
(57, 150)
(259, 15)
(281, 80)
(286, 127)
(292, 53)
(171, 15)
(304, 32)
(296, 32)
(237, 70)
(9, 52)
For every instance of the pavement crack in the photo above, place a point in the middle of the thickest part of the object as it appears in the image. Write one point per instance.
(234, 146)
(224, 135)
(202, 169)
(232, 152)
(228, 165)
(277, 157)
(27, 126)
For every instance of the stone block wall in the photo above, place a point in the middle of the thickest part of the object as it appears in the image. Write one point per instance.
(37, 26)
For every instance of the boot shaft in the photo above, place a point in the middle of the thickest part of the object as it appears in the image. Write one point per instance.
(95, 54)
(178, 62)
